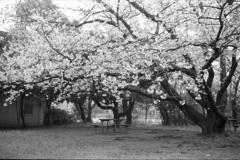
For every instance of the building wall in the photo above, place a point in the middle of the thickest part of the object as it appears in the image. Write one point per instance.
(10, 115)
(37, 116)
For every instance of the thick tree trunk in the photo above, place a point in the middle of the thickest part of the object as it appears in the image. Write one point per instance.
(207, 127)
(129, 118)
(214, 122)
(115, 111)
(223, 74)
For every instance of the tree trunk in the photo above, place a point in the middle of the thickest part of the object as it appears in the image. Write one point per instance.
(115, 111)
(185, 120)
(48, 115)
(204, 113)
(146, 111)
(214, 119)
(207, 128)
(174, 117)
(89, 112)
(129, 118)
(234, 100)
(129, 113)
(82, 112)
(89, 115)
(22, 110)
(79, 105)
(164, 115)
(223, 74)
(179, 117)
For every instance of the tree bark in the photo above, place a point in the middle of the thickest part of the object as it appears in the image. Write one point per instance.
(164, 114)
(223, 74)
(48, 115)
(146, 111)
(185, 120)
(174, 117)
(129, 113)
(234, 100)
(82, 112)
(79, 102)
(22, 110)
(89, 112)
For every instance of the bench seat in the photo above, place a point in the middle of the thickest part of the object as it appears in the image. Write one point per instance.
(235, 126)
(126, 126)
(101, 126)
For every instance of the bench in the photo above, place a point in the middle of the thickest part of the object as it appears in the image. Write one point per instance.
(97, 126)
(235, 127)
(126, 126)
(101, 126)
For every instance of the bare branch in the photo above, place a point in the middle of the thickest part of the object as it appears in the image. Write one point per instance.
(142, 10)
(96, 20)
(119, 17)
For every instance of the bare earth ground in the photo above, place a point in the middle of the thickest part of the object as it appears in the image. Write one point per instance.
(141, 142)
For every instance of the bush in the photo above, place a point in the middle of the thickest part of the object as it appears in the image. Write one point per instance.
(60, 117)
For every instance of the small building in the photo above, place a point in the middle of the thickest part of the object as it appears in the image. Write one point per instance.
(33, 107)
(33, 111)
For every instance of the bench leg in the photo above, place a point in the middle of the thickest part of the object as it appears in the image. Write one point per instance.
(235, 130)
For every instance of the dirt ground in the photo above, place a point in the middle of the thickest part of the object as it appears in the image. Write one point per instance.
(141, 142)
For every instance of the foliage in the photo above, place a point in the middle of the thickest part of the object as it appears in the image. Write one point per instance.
(165, 48)
(60, 117)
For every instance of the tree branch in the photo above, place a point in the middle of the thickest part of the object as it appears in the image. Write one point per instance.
(228, 79)
(119, 18)
(194, 97)
(142, 10)
(96, 20)
(221, 22)
(148, 95)
(100, 105)
(210, 77)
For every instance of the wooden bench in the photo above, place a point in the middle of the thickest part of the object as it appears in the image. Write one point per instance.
(107, 126)
(97, 126)
(101, 126)
(126, 126)
(235, 126)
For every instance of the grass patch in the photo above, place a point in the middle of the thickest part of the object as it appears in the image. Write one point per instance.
(81, 142)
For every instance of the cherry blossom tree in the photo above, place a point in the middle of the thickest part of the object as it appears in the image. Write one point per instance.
(190, 41)
(144, 47)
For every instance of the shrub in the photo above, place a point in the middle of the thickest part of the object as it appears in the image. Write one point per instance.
(60, 117)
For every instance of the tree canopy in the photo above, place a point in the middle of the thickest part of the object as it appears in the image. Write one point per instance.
(146, 47)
